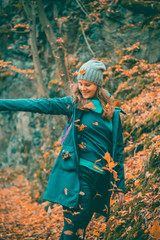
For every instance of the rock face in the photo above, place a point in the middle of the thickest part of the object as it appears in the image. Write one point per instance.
(110, 30)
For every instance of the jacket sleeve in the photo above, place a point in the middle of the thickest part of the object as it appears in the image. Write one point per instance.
(119, 158)
(54, 106)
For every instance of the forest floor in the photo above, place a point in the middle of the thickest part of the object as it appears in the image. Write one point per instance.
(21, 218)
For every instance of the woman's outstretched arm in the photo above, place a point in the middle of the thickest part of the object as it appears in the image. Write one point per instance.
(54, 106)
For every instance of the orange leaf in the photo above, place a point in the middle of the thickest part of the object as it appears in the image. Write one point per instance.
(115, 175)
(108, 106)
(65, 191)
(68, 220)
(95, 167)
(81, 193)
(75, 73)
(107, 157)
(82, 72)
(82, 145)
(95, 123)
(68, 232)
(66, 155)
(61, 73)
(77, 120)
(126, 133)
(89, 105)
(117, 104)
(81, 128)
(155, 229)
(97, 161)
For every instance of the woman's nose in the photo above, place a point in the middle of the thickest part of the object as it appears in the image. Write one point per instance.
(83, 87)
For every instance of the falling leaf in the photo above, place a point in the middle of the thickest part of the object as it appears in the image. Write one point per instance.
(67, 211)
(81, 193)
(75, 213)
(62, 74)
(108, 158)
(113, 184)
(81, 128)
(77, 120)
(66, 155)
(89, 105)
(65, 191)
(95, 167)
(95, 123)
(117, 104)
(49, 212)
(75, 73)
(97, 194)
(108, 106)
(82, 145)
(69, 221)
(82, 72)
(68, 232)
(97, 161)
(115, 175)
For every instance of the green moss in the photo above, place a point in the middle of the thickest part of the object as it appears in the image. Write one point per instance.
(142, 82)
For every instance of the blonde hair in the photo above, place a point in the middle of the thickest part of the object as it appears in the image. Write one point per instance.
(100, 94)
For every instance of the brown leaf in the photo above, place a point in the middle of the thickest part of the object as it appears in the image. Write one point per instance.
(155, 229)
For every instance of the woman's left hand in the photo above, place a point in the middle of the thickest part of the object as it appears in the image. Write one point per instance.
(121, 198)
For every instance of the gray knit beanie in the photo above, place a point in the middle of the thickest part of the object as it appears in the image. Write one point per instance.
(92, 72)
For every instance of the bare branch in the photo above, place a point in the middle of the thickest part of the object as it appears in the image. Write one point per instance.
(86, 40)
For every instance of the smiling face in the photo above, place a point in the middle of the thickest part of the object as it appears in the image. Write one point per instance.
(87, 88)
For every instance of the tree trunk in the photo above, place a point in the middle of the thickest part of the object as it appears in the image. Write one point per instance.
(58, 50)
(30, 12)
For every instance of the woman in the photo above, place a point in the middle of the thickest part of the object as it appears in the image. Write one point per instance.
(90, 162)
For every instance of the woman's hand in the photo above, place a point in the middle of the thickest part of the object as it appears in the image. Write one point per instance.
(121, 198)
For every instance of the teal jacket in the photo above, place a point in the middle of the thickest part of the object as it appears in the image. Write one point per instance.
(63, 185)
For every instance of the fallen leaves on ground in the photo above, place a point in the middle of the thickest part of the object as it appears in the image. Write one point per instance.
(21, 218)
